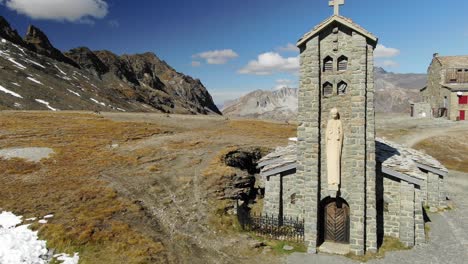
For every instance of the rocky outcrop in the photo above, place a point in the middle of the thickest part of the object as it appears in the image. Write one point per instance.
(10, 34)
(39, 43)
(161, 86)
(87, 60)
(242, 183)
(117, 66)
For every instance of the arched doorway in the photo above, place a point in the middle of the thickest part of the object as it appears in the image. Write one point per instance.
(335, 221)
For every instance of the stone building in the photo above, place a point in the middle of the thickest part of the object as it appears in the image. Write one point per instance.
(447, 87)
(370, 192)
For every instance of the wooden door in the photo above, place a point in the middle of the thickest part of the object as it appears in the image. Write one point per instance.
(337, 222)
(462, 115)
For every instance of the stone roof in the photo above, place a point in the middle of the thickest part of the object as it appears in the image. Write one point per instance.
(396, 160)
(456, 87)
(342, 20)
(453, 61)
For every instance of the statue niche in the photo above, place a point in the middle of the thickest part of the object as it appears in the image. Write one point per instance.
(334, 145)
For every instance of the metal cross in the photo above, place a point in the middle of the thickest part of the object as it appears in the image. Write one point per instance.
(336, 4)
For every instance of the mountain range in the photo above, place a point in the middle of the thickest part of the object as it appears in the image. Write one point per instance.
(394, 92)
(34, 75)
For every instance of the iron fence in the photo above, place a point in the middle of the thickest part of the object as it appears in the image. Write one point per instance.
(274, 227)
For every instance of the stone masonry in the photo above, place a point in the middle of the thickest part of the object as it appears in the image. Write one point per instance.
(383, 186)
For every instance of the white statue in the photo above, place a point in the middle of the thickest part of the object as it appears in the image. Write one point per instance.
(334, 139)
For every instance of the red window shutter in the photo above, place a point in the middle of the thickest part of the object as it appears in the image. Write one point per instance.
(463, 99)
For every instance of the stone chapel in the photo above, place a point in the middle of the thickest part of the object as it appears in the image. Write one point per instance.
(350, 188)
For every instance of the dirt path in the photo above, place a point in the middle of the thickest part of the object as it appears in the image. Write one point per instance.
(410, 131)
(175, 193)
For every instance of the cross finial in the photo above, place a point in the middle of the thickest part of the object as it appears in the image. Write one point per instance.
(336, 5)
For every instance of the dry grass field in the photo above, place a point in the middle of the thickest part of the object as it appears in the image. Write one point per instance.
(124, 190)
(138, 188)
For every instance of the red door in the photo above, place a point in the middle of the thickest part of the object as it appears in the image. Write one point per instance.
(462, 115)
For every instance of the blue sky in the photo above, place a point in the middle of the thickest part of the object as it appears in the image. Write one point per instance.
(220, 41)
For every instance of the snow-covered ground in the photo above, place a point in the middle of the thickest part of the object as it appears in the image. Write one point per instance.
(20, 245)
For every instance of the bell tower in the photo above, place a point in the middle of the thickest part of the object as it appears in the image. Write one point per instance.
(336, 135)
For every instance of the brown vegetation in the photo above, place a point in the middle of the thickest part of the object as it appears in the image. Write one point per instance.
(89, 216)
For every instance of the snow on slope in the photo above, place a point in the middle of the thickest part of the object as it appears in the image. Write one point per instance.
(20, 245)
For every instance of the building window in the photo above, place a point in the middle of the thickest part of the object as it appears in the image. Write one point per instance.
(328, 64)
(452, 75)
(343, 63)
(342, 88)
(327, 89)
(293, 198)
(463, 99)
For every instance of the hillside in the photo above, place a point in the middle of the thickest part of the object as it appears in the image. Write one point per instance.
(394, 91)
(36, 76)
(278, 105)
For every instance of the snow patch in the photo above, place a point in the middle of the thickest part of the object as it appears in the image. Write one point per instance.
(46, 104)
(31, 219)
(62, 72)
(67, 259)
(20, 245)
(29, 154)
(5, 90)
(21, 49)
(75, 93)
(42, 221)
(16, 84)
(120, 109)
(34, 80)
(35, 63)
(48, 216)
(18, 105)
(97, 102)
(8, 219)
(4, 41)
(17, 64)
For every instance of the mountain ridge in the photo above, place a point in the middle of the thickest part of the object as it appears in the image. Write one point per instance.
(138, 82)
(394, 92)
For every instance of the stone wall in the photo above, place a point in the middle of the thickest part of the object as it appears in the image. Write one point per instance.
(307, 182)
(432, 93)
(455, 107)
(407, 217)
(422, 110)
(356, 108)
(391, 209)
(435, 93)
(281, 195)
(271, 201)
(352, 109)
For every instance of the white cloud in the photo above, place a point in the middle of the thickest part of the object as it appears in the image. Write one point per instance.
(288, 48)
(270, 63)
(80, 11)
(387, 64)
(217, 56)
(283, 83)
(384, 52)
(196, 64)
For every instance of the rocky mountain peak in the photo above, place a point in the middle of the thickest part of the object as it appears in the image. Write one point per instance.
(37, 38)
(380, 70)
(39, 43)
(87, 60)
(8, 33)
